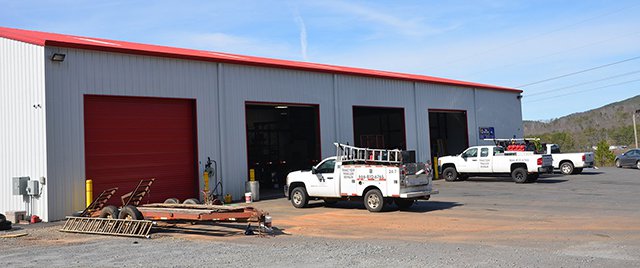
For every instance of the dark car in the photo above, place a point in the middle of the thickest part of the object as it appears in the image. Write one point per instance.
(629, 159)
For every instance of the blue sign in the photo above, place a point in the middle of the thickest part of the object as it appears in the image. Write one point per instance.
(487, 133)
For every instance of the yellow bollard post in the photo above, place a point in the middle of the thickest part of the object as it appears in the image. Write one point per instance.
(435, 168)
(206, 181)
(252, 174)
(89, 191)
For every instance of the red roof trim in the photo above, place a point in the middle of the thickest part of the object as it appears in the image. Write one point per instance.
(70, 41)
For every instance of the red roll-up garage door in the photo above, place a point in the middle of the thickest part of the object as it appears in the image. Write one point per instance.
(131, 138)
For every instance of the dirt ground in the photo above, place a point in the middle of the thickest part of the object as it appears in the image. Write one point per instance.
(591, 219)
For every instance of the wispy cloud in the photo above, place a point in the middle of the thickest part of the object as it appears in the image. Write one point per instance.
(303, 34)
(414, 27)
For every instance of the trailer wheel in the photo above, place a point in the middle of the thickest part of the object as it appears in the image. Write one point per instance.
(450, 174)
(404, 203)
(191, 201)
(519, 175)
(109, 212)
(374, 201)
(299, 197)
(566, 168)
(130, 212)
(172, 201)
(577, 170)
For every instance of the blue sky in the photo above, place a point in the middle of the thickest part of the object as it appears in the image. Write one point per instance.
(506, 43)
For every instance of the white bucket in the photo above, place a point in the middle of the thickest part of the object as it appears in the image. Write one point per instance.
(247, 197)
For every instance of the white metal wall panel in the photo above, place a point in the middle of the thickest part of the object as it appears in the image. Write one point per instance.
(102, 73)
(22, 122)
(247, 83)
(376, 92)
(501, 110)
(444, 97)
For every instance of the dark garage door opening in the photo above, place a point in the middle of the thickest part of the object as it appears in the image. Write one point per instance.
(448, 132)
(132, 138)
(281, 138)
(379, 127)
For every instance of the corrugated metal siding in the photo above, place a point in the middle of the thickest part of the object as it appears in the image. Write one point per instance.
(103, 73)
(364, 91)
(221, 125)
(23, 140)
(247, 83)
(501, 110)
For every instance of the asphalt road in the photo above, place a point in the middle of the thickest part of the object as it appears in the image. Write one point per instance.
(591, 219)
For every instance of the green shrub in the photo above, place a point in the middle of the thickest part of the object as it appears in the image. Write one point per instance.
(604, 157)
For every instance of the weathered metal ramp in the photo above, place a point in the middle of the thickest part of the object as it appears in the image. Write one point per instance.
(103, 226)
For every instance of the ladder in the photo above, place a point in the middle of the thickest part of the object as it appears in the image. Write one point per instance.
(135, 197)
(99, 202)
(105, 226)
(347, 153)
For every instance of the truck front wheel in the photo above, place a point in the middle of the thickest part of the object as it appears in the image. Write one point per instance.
(450, 174)
(374, 201)
(299, 197)
(519, 175)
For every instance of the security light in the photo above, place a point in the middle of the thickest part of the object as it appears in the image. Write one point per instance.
(58, 57)
(282, 107)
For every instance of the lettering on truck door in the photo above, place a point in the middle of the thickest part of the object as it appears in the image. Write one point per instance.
(327, 179)
(484, 161)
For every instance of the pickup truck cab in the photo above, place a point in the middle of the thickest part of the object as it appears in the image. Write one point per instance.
(375, 176)
(493, 160)
(569, 163)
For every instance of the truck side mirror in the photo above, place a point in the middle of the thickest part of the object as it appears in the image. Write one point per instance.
(314, 170)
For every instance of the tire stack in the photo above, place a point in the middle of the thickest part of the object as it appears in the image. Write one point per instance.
(4, 223)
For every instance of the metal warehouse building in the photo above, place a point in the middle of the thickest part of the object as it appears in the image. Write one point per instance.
(75, 108)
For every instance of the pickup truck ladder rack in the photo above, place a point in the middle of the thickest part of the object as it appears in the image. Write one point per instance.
(348, 153)
(105, 226)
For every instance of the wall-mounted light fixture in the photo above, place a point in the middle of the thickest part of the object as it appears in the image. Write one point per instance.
(59, 57)
(519, 97)
(282, 107)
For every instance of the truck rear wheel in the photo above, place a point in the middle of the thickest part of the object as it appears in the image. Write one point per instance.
(374, 201)
(450, 174)
(299, 197)
(566, 168)
(404, 203)
(519, 175)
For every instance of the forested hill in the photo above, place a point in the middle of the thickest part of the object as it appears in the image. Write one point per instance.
(580, 131)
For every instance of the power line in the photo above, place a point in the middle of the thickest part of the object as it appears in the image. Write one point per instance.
(581, 84)
(541, 34)
(558, 52)
(578, 72)
(582, 91)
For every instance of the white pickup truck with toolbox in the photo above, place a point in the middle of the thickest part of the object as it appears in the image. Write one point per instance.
(567, 163)
(376, 176)
(493, 160)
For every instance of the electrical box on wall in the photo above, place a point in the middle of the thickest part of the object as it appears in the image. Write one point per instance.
(33, 188)
(20, 185)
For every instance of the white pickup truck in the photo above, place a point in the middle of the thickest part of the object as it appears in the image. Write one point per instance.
(380, 176)
(569, 163)
(493, 160)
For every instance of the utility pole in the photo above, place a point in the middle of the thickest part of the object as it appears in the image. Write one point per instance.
(635, 131)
